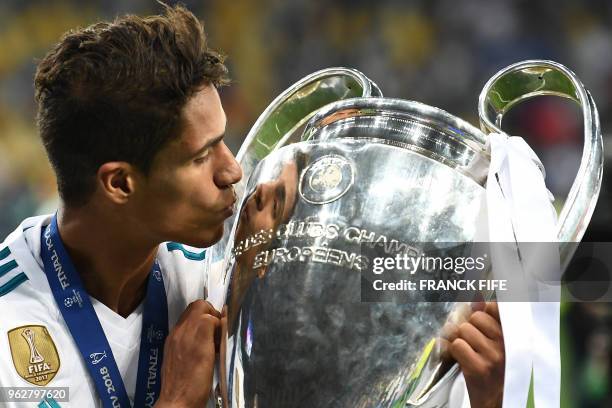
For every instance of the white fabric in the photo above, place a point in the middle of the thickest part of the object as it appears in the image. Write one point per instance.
(518, 211)
(217, 285)
(32, 303)
(458, 397)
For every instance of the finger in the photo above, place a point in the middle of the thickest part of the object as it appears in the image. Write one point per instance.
(493, 309)
(460, 313)
(187, 312)
(199, 307)
(210, 309)
(207, 327)
(478, 297)
(465, 355)
(223, 330)
(204, 306)
(478, 306)
(478, 341)
(487, 324)
(217, 337)
(443, 348)
(449, 331)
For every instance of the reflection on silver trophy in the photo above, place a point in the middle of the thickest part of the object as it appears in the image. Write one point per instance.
(364, 170)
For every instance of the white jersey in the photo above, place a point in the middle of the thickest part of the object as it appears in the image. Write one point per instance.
(36, 347)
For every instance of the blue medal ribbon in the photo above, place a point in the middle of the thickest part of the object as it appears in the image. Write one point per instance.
(86, 330)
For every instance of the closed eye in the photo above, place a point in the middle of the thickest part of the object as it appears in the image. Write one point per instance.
(204, 152)
(203, 157)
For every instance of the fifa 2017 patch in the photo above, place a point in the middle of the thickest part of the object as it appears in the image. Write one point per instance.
(34, 354)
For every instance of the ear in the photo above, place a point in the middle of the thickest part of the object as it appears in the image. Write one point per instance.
(117, 181)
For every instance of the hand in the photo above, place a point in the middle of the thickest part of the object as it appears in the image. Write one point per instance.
(189, 358)
(478, 346)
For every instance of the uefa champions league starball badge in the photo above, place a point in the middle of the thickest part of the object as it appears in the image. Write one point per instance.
(326, 179)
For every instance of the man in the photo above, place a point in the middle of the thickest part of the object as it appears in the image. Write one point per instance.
(132, 123)
(101, 298)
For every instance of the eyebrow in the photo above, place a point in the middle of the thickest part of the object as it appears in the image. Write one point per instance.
(208, 144)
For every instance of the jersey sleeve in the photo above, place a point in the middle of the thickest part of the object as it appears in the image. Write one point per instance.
(11, 275)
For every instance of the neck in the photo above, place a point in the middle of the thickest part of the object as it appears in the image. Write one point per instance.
(111, 257)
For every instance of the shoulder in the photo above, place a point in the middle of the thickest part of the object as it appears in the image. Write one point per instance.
(11, 275)
(28, 312)
(24, 290)
(20, 265)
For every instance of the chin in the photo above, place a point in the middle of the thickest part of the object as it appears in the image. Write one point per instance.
(209, 238)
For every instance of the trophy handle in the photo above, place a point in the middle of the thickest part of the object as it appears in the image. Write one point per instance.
(525, 80)
(278, 125)
(292, 108)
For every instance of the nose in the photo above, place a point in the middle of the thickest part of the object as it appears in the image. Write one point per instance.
(229, 171)
(264, 194)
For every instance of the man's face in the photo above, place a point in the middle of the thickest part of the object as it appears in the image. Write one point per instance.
(270, 204)
(188, 192)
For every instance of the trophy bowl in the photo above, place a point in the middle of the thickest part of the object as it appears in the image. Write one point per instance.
(373, 170)
(368, 173)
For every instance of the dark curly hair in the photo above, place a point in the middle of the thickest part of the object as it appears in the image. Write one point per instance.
(115, 92)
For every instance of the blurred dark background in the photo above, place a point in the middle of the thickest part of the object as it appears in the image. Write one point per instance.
(437, 52)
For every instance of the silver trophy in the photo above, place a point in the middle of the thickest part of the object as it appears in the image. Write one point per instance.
(367, 170)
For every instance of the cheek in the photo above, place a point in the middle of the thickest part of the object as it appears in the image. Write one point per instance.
(194, 187)
(173, 202)
(184, 201)
(202, 193)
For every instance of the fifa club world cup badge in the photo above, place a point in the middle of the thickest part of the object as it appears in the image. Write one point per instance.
(34, 354)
